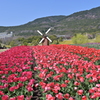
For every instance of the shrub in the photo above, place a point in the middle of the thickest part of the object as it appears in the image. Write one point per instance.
(79, 39)
(97, 39)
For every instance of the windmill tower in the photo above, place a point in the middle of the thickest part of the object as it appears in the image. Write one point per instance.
(45, 39)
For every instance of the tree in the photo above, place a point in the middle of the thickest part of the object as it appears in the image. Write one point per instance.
(0, 41)
(13, 43)
(54, 39)
(60, 39)
(35, 42)
(79, 39)
(0, 45)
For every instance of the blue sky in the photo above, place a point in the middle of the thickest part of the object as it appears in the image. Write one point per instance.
(18, 12)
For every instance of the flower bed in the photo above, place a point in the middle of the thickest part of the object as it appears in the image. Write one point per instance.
(89, 54)
(60, 72)
(65, 76)
(16, 80)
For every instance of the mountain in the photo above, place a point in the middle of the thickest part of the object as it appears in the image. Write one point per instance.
(87, 21)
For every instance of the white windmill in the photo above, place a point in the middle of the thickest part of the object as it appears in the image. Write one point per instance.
(45, 39)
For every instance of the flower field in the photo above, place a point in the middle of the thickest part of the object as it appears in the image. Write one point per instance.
(16, 81)
(59, 72)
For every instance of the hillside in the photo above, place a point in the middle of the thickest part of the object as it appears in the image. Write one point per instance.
(80, 22)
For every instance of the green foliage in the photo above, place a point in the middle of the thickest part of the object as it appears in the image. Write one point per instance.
(60, 39)
(13, 43)
(66, 42)
(97, 39)
(35, 42)
(79, 39)
(53, 37)
(0, 45)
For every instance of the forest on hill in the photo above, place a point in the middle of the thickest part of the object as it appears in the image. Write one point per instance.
(80, 22)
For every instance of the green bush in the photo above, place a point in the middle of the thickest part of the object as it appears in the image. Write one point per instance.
(97, 39)
(79, 39)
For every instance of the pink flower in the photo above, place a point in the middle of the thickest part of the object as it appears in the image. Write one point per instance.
(76, 83)
(5, 97)
(56, 78)
(29, 88)
(49, 97)
(80, 92)
(28, 97)
(31, 82)
(19, 85)
(14, 98)
(75, 88)
(91, 91)
(1, 93)
(71, 98)
(12, 88)
(97, 85)
(67, 81)
(23, 79)
(81, 79)
(36, 85)
(59, 96)
(21, 97)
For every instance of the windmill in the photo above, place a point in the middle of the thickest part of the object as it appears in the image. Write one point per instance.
(45, 39)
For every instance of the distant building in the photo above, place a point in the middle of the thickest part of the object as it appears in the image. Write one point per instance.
(64, 36)
(6, 34)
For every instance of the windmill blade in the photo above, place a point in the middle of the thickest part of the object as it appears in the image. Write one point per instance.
(49, 39)
(39, 32)
(41, 40)
(48, 30)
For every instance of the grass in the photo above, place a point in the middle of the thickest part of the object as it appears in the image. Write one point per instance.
(1, 50)
(66, 42)
(91, 43)
(70, 41)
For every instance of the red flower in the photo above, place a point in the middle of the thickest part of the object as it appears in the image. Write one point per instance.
(56, 78)
(23, 79)
(66, 96)
(42, 84)
(12, 88)
(21, 97)
(63, 85)
(55, 90)
(70, 76)
(67, 81)
(19, 85)
(97, 94)
(59, 96)
(84, 98)
(91, 91)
